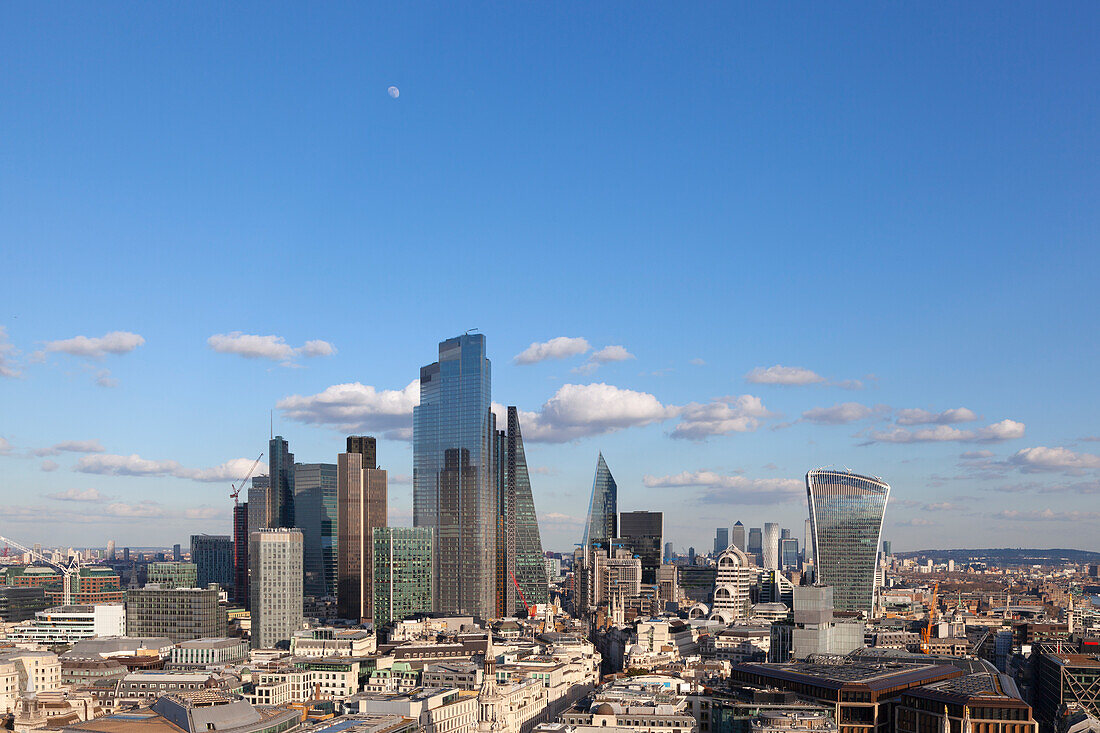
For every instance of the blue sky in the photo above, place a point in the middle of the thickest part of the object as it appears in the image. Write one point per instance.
(896, 196)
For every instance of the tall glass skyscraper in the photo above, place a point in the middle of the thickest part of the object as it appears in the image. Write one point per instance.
(522, 556)
(737, 537)
(603, 508)
(402, 567)
(756, 545)
(315, 514)
(771, 546)
(280, 495)
(454, 482)
(642, 532)
(846, 513)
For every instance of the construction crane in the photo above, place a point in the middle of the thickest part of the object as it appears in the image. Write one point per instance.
(237, 489)
(926, 632)
(530, 611)
(67, 571)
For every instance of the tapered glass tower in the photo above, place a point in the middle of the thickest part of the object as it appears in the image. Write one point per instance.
(454, 482)
(846, 513)
(523, 556)
(603, 517)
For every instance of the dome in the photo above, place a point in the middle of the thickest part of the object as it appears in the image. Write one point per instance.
(603, 709)
(732, 557)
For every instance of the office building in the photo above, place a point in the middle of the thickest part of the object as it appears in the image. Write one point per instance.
(240, 553)
(520, 562)
(981, 701)
(70, 624)
(668, 552)
(257, 503)
(756, 546)
(732, 585)
(886, 548)
(177, 553)
(454, 482)
(807, 543)
(276, 557)
(721, 539)
(280, 495)
(402, 563)
(602, 524)
(315, 514)
(642, 532)
(770, 546)
(361, 506)
(816, 630)
(21, 603)
(788, 553)
(110, 550)
(737, 537)
(172, 574)
(846, 513)
(366, 446)
(212, 555)
(176, 613)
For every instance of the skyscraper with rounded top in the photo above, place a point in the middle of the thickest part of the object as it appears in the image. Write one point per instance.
(603, 508)
(846, 513)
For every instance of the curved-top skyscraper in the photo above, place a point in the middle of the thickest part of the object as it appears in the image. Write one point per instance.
(603, 508)
(846, 512)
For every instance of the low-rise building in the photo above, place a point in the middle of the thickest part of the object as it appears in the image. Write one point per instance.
(984, 701)
(201, 711)
(437, 710)
(145, 687)
(330, 642)
(199, 653)
(70, 624)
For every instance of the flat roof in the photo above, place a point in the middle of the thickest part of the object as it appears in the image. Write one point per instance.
(867, 675)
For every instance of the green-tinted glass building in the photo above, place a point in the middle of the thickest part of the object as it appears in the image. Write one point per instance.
(402, 572)
(524, 568)
(173, 574)
(315, 514)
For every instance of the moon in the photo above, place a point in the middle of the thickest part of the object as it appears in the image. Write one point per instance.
(394, 92)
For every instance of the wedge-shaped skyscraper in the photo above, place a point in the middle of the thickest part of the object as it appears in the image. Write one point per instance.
(846, 512)
(603, 517)
(521, 564)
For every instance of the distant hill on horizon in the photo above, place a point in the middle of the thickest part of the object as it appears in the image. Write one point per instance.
(1022, 555)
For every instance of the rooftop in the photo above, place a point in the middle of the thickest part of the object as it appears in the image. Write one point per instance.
(870, 675)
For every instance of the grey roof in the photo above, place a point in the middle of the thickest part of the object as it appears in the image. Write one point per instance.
(89, 648)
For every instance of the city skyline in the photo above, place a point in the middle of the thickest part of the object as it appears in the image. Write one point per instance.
(716, 263)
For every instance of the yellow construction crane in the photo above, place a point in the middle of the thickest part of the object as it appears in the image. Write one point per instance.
(926, 632)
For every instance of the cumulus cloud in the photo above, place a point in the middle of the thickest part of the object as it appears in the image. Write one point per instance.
(83, 495)
(103, 378)
(1042, 459)
(561, 347)
(559, 518)
(580, 410)
(135, 465)
(609, 354)
(48, 466)
(917, 416)
(1045, 515)
(271, 347)
(780, 374)
(115, 342)
(995, 433)
(839, 414)
(720, 416)
(8, 353)
(71, 446)
(724, 489)
(355, 406)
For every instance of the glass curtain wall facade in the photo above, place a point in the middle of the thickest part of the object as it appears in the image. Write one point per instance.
(737, 537)
(362, 505)
(643, 532)
(212, 555)
(721, 539)
(315, 512)
(603, 517)
(846, 513)
(526, 563)
(771, 546)
(280, 495)
(402, 572)
(454, 482)
(756, 543)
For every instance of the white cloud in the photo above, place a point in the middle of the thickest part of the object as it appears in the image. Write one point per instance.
(724, 489)
(723, 415)
(115, 342)
(104, 379)
(609, 354)
(561, 347)
(580, 410)
(317, 347)
(71, 446)
(915, 522)
(559, 518)
(839, 414)
(995, 433)
(943, 506)
(8, 353)
(134, 465)
(251, 346)
(780, 374)
(5, 447)
(48, 466)
(976, 455)
(1043, 459)
(1045, 515)
(697, 362)
(917, 416)
(88, 495)
(356, 406)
